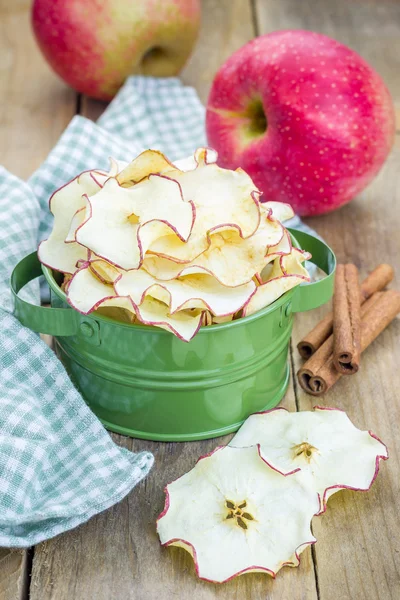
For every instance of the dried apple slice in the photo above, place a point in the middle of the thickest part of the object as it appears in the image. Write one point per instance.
(219, 320)
(154, 161)
(284, 246)
(184, 324)
(189, 291)
(207, 319)
(117, 313)
(323, 443)
(122, 222)
(76, 221)
(279, 210)
(66, 280)
(104, 271)
(116, 166)
(236, 515)
(64, 204)
(291, 264)
(233, 260)
(147, 163)
(224, 200)
(86, 292)
(99, 177)
(189, 163)
(286, 273)
(230, 258)
(165, 269)
(268, 292)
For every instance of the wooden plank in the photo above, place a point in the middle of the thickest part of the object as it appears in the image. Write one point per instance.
(35, 106)
(226, 25)
(117, 554)
(13, 574)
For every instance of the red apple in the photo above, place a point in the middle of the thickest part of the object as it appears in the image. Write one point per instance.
(95, 44)
(308, 119)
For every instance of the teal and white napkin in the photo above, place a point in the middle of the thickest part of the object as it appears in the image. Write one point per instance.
(58, 465)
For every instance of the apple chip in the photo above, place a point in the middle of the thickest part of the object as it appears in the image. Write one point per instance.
(166, 269)
(279, 210)
(86, 292)
(184, 324)
(284, 246)
(207, 319)
(100, 178)
(117, 313)
(104, 271)
(268, 292)
(116, 166)
(189, 163)
(66, 280)
(223, 199)
(64, 204)
(121, 223)
(77, 220)
(220, 320)
(234, 514)
(286, 272)
(147, 163)
(290, 264)
(230, 258)
(153, 161)
(323, 443)
(189, 291)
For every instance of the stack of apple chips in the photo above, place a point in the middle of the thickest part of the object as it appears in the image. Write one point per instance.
(175, 246)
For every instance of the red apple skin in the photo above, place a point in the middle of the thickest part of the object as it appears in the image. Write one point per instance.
(94, 45)
(330, 119)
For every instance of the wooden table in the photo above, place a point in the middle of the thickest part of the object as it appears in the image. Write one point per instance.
(116, 555)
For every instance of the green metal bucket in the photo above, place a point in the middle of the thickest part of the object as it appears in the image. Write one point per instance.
(146, 383)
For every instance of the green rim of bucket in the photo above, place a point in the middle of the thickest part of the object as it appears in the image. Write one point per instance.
(66, 321)
(329, 263)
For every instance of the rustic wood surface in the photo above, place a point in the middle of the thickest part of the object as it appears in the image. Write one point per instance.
(116, 555)
(14, 573)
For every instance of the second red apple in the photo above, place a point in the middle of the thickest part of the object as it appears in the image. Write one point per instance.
(308, 119)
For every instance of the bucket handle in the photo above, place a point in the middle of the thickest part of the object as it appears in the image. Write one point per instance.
(54, 321)
(311, 295)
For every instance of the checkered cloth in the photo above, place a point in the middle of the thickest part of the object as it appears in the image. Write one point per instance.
(58, 466)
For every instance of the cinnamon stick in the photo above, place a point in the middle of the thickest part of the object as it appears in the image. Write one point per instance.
(319, 374)
(346, 320)
(376, 281)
